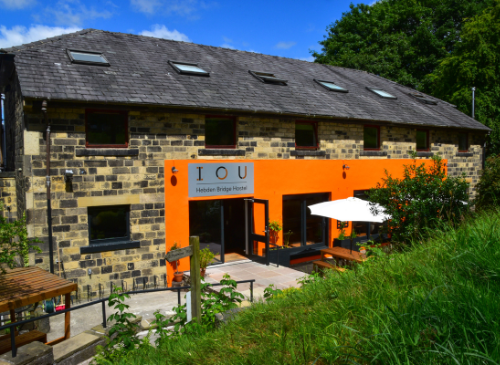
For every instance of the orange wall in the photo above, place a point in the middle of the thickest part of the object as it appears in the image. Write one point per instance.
(272, 180)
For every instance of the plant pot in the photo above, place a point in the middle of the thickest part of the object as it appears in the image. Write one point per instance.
(178, 277)
(202, 272)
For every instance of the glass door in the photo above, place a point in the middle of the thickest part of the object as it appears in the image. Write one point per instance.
(259, 229)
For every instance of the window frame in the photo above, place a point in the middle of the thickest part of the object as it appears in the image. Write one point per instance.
(268, 79)
(427, 132)
(330, 89)
(422, 98)
(106, 111)
(72, 59)
(466, 141)
(98, 242)
(315, 127)
(180, 71)
(234, 133)
(372, 89)
(378, 137)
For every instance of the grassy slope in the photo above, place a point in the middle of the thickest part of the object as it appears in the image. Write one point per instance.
(437, 304)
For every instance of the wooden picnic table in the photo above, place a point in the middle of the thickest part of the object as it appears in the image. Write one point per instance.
(28, 285)
(342, 253)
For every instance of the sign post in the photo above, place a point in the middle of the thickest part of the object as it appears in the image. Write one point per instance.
(192, 251)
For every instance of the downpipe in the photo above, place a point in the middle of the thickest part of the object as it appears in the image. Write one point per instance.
(4, 139)
(49, 205)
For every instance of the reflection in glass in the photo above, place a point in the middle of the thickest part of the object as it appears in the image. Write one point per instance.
(106, 128)
(205, 222)
(108, 223)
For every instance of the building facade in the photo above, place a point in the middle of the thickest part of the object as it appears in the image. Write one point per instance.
(123, 132)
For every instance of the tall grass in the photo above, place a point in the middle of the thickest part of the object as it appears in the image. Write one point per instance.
(438, 303)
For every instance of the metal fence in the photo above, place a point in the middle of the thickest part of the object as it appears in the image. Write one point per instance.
(103, 301)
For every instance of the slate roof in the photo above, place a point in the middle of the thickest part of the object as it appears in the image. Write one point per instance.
(140, 74)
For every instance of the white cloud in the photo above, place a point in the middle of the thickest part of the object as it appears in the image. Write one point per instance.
(16, 4)
(187, 8)
(285, 45)
(225, 45)
(161, 31)
(72, 12)
(19, 34)
(308, 59)
(227, 40)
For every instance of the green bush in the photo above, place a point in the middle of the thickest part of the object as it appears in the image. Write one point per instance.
(488, 188)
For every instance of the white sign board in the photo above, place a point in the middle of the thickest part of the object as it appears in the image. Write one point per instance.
(226, 178)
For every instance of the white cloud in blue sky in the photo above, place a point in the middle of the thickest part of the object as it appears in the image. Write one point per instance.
(16, 4)
(19, 34)
(178, 7)
(285, 45)
(225, 45)
(161, 31)
(74, 13)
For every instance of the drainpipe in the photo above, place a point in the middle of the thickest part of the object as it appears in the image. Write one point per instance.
(2, 111)
(473, 99)
(49, 205)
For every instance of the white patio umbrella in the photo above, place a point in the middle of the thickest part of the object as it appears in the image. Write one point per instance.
(350, 210)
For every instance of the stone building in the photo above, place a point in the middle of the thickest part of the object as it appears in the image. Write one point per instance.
(124, 109)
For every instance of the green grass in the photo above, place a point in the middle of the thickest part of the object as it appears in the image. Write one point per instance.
(438, 303)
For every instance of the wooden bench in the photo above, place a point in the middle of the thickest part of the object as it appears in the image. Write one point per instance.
(326, 265)
(22, 340)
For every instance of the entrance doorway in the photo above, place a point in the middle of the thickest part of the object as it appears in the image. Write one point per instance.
(220, 224)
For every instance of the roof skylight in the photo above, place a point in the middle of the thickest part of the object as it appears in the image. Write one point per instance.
(382, 93)
(268, 77)
(422, 98)
(188, 68)
(87, 57)
(329, 85)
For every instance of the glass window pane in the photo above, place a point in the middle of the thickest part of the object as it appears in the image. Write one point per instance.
(332, 86)
(219, 132)
(108, 222)
(189, 68)
(106, 129)
(305, 135)
(371, 137)
(422, 140)
(462, 142)
(88, 57)
(205, 222)
(292, 225)
(383, 93)
(315, 225)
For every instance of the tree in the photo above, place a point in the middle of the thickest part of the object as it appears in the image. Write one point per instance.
(14, 242)
(474, 62)
(421, 200)
(402, 40)
(488, 188)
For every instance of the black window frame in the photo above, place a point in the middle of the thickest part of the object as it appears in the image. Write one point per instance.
(427, 140)
(104, 241)
(106, 111)
(377, 127)
(72, 59)
(315, 129)
(341, 90)
(268, 77)
(180, 71)
(235, 137)
(372, 89)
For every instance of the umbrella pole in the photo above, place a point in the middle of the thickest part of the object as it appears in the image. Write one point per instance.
(351, 246)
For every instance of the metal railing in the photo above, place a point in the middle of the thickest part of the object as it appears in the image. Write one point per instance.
(103, 303)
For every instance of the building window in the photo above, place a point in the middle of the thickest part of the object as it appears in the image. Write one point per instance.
(463, 142)
(366, 230)
(422, 140)
(188, 68)
(87, 57)
(106, 129)
(220, 132)
(303, 228)
(306, 135)
(109, 224)
(268, 77)
(371, 137)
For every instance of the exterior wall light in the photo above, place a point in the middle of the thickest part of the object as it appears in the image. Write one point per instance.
(174, 170)
(345, 167)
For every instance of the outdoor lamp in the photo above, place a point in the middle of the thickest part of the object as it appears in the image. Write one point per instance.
(345, 167)
(174, 170)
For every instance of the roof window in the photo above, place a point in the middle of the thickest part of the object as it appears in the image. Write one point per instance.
(188, 68)
(329, 85)
(381, 93)
(268, 77)
(87, 57)
(422, 98)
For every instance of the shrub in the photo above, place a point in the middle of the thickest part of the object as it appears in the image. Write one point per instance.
(488, 188)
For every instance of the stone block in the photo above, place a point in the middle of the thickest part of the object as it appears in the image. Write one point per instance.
(77, 349)
(35, 353)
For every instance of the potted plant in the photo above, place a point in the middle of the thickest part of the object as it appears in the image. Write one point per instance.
(206, 257)
(177, 275)
(275, 227)
(286, 238)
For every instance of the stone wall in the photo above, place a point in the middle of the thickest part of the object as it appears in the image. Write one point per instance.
(8, 195)
(137, 179)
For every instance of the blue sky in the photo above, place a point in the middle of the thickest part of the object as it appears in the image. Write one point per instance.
(283, 28)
